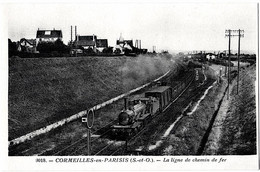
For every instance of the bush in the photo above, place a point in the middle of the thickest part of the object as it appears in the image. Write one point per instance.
(117, 51)
(12, 48)
(49, 47)
(108, 50)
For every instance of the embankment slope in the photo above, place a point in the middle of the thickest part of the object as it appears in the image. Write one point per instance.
(43, 91)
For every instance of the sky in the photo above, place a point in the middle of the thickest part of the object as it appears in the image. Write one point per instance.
(168, 26)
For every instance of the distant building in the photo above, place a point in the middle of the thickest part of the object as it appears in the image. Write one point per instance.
(91, 41)
(27, 45)
(124, 43)
(101, 44)
(48, 35)
(86, 41)
(211, 56)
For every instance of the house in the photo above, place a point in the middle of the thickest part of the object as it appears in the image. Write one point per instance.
(101, 44)
(48, 35)
(87, 42)
(124, 43)
(91, 41)
(211, 56)
(27, 45)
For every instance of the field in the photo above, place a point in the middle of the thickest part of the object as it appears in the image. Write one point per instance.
(42, 91)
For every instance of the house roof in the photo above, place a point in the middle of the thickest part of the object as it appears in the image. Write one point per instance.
(129, 42)
(86, 43)
(102, 43)
(49, 34)
(87, 37)
(29, 41)
(88, 40)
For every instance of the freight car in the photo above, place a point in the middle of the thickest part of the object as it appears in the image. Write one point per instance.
(140, 111)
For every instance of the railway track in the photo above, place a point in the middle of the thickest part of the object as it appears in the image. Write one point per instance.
(127, 147)
(176, 108)
(102, 144)
(80, 144)
(176, 111)
(78, 147)
(60, 151)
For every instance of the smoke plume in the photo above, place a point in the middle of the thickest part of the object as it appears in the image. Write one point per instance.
(142, 69)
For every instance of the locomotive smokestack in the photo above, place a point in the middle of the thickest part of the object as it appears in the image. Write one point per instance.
(126, 103)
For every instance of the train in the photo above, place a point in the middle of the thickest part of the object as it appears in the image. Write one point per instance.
(139, 111)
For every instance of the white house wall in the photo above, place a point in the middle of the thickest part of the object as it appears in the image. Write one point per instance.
(46, 40)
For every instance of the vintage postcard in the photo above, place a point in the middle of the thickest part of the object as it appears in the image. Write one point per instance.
(109, 85)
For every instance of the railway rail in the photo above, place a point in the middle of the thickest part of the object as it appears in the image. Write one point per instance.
(13, 150)
(123, 149)
(128, 149)
(76, 147)
(110, 148)
(178, 111)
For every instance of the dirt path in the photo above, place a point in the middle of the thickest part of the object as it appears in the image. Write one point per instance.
(212, 144)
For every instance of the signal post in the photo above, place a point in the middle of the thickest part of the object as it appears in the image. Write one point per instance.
(89, 120)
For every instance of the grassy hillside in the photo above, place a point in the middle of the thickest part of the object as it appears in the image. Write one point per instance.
(239, 128)
(42, 91)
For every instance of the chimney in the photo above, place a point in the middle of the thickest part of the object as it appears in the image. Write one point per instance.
(71, 33)
(76, 33)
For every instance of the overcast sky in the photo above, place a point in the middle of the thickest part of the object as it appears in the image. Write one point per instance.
(169, 26)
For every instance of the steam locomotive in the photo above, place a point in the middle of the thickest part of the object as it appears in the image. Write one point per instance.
(138, 112)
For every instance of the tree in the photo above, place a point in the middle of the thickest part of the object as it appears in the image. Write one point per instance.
(89, 51)
(11, 45)
(108, 50)
(49, 47)
(60, 47)
(117, 51)
(12, 48)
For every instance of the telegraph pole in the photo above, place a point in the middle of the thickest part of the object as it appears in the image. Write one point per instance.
(238, 55)
(229, 42)
(229, 52)
(238, 60)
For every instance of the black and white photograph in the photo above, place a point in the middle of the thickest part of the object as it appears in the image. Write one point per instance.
(131, 83)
